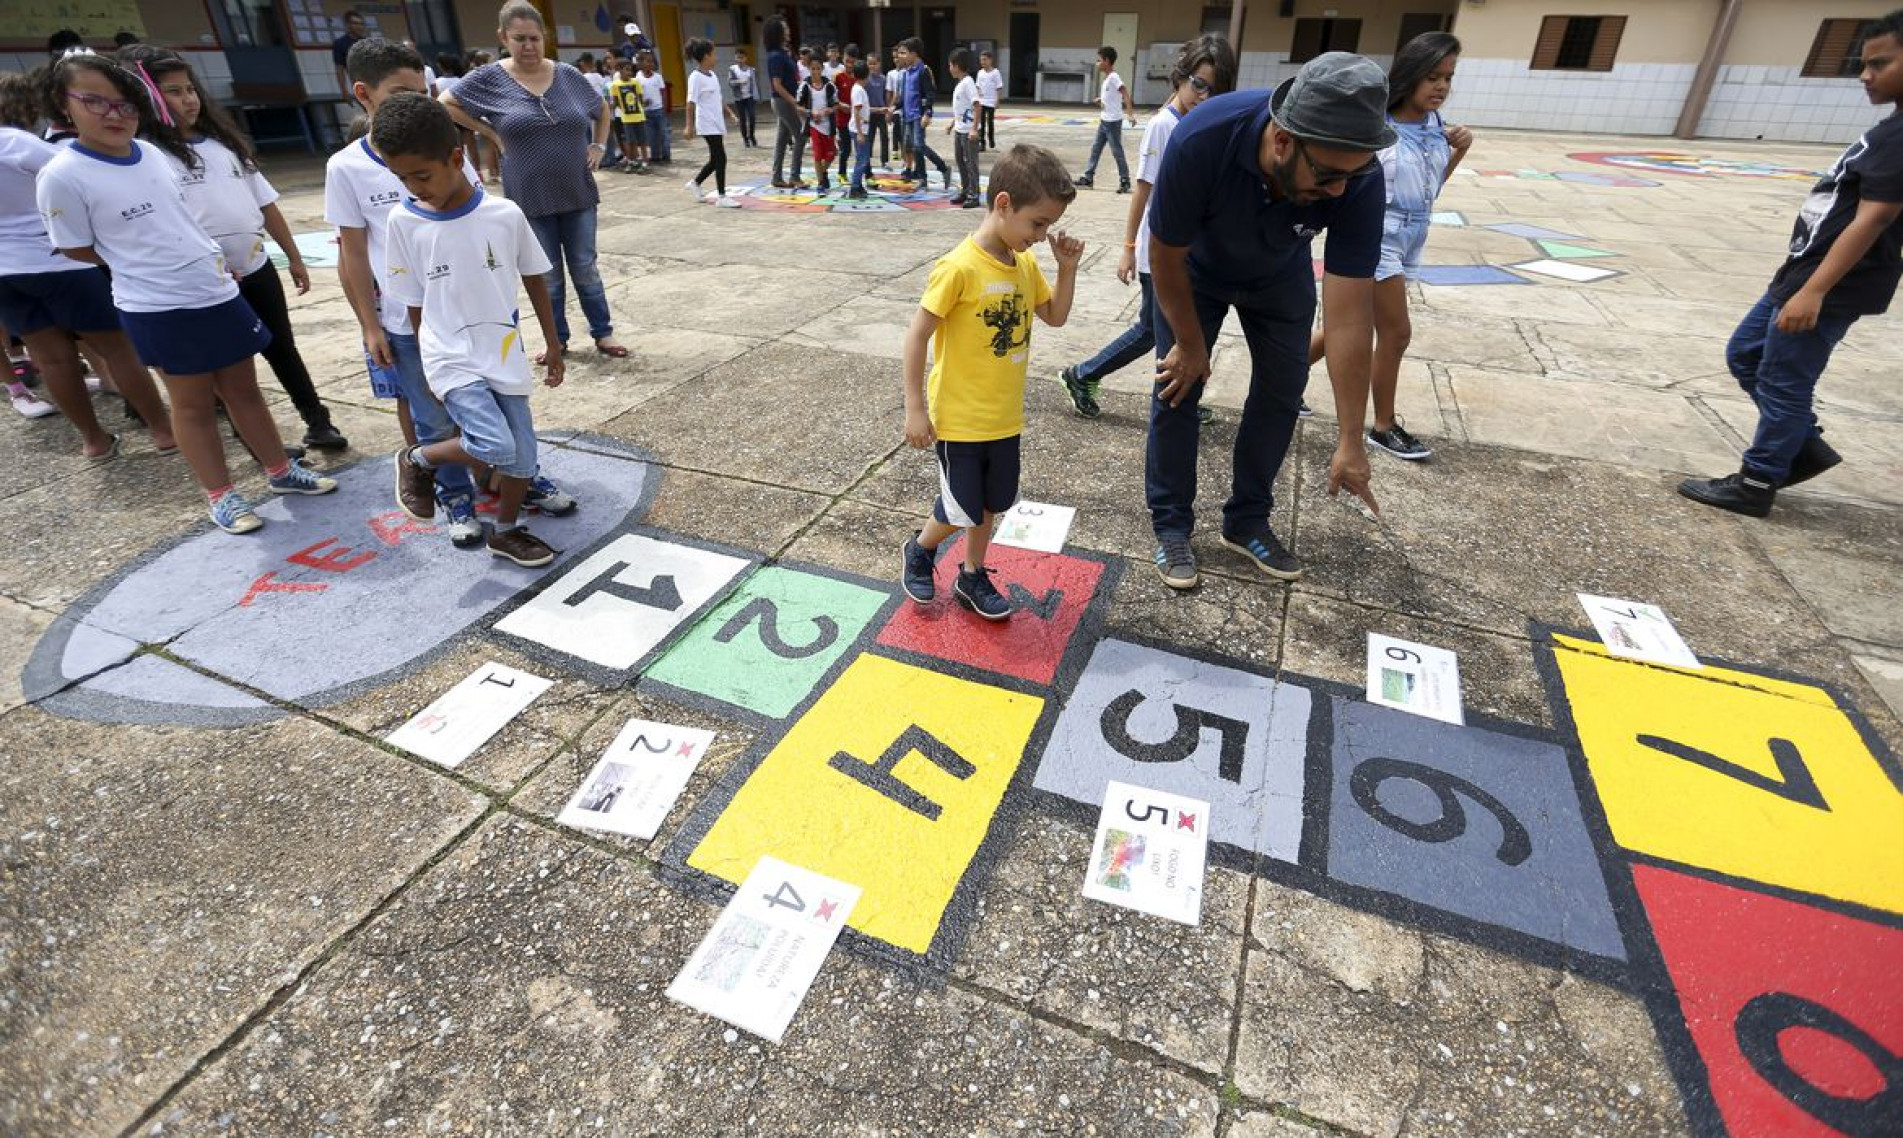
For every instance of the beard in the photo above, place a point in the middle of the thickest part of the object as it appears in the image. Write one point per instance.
(1282, 177)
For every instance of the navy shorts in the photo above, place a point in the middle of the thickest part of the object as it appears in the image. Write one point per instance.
(78, 300)
(193, 341)
(975, 478)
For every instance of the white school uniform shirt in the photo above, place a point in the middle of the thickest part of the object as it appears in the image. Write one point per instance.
(861, 109)
(359, 192)
(464, 269)
(990, 86)
(816, 93)
(1111, 96)
(429, 80)
(742, 80)
(651, 88)
(24, 246)
(831, 71)
(964, 97)
(1156, 138)
(703, 93)
(598, 81)
(228, 203)
(132, 211)
(446, 83)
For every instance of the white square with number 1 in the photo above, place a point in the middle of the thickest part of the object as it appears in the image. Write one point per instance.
(1642, 632)
(1414, 677)
(1037, 526)
(756, 963)
(1149, 853)
(638, 780)
(465, 717)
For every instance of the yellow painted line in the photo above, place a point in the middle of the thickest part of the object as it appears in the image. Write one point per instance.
(1675, 754)
(906, 846)
(1789, 689)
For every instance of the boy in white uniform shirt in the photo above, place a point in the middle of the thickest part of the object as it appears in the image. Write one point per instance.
(1114, 96)
(990, 87)
(964, 129)
(457, 257)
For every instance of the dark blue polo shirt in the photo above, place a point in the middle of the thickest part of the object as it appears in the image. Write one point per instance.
(780, 65)
(1213, 196)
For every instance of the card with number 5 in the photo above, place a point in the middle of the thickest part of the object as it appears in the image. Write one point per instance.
(1149, 853)
(756, 963)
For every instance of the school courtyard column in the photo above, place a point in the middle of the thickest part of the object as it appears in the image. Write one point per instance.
(1235, 25)
(1707, 73)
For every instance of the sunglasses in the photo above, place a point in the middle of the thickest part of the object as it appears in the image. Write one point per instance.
(1329, 176)
(1200, 85)
(104, 107)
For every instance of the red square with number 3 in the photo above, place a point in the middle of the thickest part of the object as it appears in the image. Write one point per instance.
(1049, 593)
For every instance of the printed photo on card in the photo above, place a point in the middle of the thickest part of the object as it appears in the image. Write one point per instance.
(466, 716)
(1639, 631)
(1036, 526)
(755, 965)
(1414, 677)
(636, 783)
(1149, 853)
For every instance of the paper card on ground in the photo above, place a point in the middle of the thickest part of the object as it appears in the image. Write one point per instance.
(1565, 270)
(1642, 632)
(1149, 853)
(1414, 677)
(756, 963)
(465, 717)
(1035, 525)
(638, 780)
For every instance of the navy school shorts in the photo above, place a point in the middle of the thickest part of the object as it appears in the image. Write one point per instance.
(78, 300)
(974, 478)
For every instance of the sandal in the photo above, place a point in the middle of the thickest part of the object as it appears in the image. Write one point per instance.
(111, 453)
(613, 351)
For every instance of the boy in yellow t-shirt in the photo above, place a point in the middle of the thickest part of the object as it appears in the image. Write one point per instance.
(624, 91)
(976, 317)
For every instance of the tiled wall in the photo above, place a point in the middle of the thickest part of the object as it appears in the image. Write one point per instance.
(1632, 98)
(1775, 103)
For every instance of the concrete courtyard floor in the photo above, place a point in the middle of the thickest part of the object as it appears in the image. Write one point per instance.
(289, 927)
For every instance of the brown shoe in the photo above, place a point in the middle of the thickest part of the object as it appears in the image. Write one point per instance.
(520, 546)
(415, 487)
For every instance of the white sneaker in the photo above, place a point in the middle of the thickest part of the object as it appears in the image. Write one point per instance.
(93, 386)
(32, 406)
(727, 201)
(693, 191)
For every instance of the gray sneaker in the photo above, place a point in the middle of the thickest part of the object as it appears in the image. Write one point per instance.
(1175, 562)
(1267, 553)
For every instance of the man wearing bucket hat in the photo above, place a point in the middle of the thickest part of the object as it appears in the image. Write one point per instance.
(1248, 180)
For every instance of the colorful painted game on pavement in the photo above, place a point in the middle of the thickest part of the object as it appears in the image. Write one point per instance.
(1694, 165)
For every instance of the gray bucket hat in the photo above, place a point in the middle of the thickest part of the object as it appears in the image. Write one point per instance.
(1338, 99)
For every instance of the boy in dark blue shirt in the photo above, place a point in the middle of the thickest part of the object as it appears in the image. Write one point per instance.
(1846, 258)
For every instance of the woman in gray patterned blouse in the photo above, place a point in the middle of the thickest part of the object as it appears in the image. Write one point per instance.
(552, 129)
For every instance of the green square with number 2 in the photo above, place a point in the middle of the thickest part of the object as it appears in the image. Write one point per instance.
(768, 644)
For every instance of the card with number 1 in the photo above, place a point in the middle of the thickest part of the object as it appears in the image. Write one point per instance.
(1150, 852)
(756, 963)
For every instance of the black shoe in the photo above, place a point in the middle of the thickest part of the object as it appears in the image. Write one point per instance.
(1267, 553)
(1082, 392)
(976, 592)
(918, 571)
(1083, 183)
(946, 174)
(958, 199)
(1816, 457)
(1397, 442)
(1740, 493)
(1305, 411)
(971, 203)
(1123, 187)
(1205, 414)
(326, 437)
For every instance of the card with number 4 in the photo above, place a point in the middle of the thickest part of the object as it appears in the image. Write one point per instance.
(756, 963)
(1149, 853)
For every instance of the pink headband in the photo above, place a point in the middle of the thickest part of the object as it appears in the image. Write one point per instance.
(158, 100)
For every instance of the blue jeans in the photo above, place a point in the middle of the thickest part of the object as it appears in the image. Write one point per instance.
(743, 108)
(497, 428)
(1275, 323)
(1136, 340)
(862, 167)
(660, 145)
(1110, 133)
(573, 234)
(432, 422)
(922, 151)
(1779, 372)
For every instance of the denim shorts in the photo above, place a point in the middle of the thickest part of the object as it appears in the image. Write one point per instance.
(78, 300)
(1403, 238)
(497, 429)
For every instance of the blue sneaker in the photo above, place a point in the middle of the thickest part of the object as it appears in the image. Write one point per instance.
(465, 528)
(1267, 553)
(976, 592)
(233, 514)
(548, 499)
(301, 479)
(918, 571)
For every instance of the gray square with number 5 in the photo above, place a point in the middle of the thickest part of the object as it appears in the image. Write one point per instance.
(1476, 823)
(1156, 719)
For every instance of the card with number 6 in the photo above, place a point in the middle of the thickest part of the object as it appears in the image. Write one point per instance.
(756, 963)
(1149, 853)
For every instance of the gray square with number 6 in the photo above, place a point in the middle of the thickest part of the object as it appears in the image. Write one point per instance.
(1476, 823)
(1156, 719)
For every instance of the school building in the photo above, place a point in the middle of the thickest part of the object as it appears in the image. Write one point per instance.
(1770, 69)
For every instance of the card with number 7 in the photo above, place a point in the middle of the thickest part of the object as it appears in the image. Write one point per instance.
(756, 963)
(1149, 853)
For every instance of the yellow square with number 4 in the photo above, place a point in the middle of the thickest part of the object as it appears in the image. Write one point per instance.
(888, 782)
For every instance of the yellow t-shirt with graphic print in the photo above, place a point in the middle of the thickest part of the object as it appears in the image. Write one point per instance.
(983, 346)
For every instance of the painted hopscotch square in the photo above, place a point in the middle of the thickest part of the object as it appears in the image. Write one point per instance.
(1049, 594)
(1202, 730)
(1532, 232)
(1566, 270)
(1447, 276)
(1727, 771)
(770, 643)
(1476, 823)
(889, 782)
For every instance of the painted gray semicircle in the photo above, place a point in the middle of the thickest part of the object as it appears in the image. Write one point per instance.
(334, 596)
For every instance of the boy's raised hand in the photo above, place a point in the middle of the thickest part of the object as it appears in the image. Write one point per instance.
(918, 429)
(1069, 250)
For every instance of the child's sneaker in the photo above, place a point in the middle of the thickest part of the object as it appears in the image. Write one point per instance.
(1397, 442)
(549, 499)
(693, 191)
(1123, 187)
(1082, 392)
(1083, 182)
(415, 487)
(918, 571)
(465, 528)
(301, 479)
(520, 546)
(727, 201)
(976, 592)
(233, 514)
(31, 405)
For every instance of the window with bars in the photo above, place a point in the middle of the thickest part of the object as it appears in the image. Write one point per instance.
(1578, 43)
(1313, 37)
(1833, 54)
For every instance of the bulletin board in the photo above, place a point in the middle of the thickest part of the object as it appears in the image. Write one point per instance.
(31, 20)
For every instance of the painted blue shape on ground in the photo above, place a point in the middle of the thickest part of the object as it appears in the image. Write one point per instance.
(1448, 217)
(152, 689)
(1549, 886)
(1445, 275)
(1532, 232)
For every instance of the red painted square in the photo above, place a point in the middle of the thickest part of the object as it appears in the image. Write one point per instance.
(1796, 1011)
(1049, 592)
